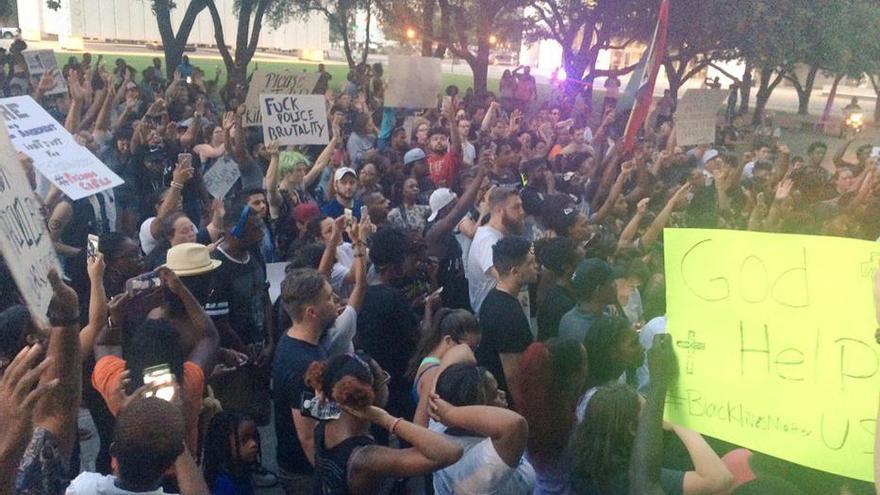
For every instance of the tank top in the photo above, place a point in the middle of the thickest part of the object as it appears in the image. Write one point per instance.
(331, 465)
(433, 363)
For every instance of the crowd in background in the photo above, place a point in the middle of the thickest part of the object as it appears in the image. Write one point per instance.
(474, 301)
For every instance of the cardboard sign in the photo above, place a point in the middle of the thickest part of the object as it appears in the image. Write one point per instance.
(24, 240)
(71, 167)
(292, 119)
(413, 82)
(695, 116)
(275, 273)
(774, 335)
(222, 175)
(41, 61)
(275, 82)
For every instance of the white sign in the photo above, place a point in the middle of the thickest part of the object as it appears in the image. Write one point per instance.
(24, 239)
(293, 119)
(220, 178)
(71, 167)
(41, 61)
(275, 273)
(275, 82)
(695, 116)
(413, 82)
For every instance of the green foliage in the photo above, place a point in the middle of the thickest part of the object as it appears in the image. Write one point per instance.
(8, 9)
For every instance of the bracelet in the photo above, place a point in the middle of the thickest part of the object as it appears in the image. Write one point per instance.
(177, 185)
(393, 426)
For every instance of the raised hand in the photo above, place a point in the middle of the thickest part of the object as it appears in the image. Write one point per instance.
(642, 206)
(64, 306)
(784, 189)
(662, 362)
(20, 390)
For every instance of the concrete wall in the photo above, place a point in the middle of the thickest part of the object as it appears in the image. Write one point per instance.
(133, 20)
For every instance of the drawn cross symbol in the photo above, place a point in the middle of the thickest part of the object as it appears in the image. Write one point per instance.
(692, 346)
(868, 267)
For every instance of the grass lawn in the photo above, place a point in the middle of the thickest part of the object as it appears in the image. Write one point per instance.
(210, 65)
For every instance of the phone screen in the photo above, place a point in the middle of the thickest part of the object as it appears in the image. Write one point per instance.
(160, 375)
(185, 158)
(92, 247)
(142, 283)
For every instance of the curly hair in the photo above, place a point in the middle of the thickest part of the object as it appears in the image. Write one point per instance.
(349, 379)
(218, 450)
(147, 439)
(604, 441)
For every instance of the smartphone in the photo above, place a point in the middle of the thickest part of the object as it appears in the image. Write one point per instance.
(160, 375)
(189, 80)
(365, 212)
(875, 152)
(92, 247)
(447, 102)
(145, 282)
(312, 407)
(348, 217)
(186, 158)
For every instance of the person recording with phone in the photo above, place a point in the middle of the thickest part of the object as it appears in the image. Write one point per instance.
(178, 334)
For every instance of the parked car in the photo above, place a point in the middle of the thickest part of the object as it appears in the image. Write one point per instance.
(9, 32)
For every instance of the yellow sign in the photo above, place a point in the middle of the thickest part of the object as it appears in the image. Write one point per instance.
(775, 339)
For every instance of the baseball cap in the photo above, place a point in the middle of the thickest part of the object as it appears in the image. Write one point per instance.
(413, 155)
(342, 172)
(589, 275)
(709, 155)
(439, 199)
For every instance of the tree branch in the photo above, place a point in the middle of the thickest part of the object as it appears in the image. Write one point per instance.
(218, 35)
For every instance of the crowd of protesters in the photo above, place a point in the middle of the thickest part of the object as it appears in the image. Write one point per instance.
(474, 301)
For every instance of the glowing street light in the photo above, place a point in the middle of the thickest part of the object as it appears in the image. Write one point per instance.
(493, 39)
(410, 33)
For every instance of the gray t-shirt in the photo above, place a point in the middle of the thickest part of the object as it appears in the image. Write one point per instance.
(575, 324)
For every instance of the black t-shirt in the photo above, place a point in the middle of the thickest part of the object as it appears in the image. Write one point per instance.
(671, 480)
(292, 359)
(239, 293)
(505, 331)
(388, 330)
(557, 302)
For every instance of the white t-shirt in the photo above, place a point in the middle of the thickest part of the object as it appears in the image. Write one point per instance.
(479, 263)
(482, 471)
(468, 153)
(98, 484)
(654, 327)
(749, 170)
(148, 243)
(340, 270)
(337, 339)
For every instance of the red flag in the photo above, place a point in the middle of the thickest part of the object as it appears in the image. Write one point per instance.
(655, 54)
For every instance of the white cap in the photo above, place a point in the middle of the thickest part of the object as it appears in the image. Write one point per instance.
(709, 155)
(440, 199)
(342, 171)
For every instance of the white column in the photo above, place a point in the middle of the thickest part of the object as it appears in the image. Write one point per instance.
(71, 35)
(30, 19)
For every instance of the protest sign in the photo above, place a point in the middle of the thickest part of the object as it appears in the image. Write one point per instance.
(774, 335)
(275, 273)
(41, 61)
(275, 82)
(71, 167)
(222, 175)
(413, 82)
(695, 116)
(25, 243)
(294, 119)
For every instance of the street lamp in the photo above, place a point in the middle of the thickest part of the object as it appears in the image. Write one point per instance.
(410, 33)
(493, 39)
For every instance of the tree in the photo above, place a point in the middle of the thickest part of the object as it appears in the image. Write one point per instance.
(696, 40)
(340, 15)
(173, 43)
(585, 28)
(8, 10)
(463, 27)
(250, 15)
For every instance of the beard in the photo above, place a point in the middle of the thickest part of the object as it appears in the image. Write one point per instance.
(512, 225)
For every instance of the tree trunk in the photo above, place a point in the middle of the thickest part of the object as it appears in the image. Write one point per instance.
(173, 44)
(427, 33)
(826, 114)
(745, 90)
(805, 91)
(366, 52)
(877, 98)
(480, 68)
(765, 89)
